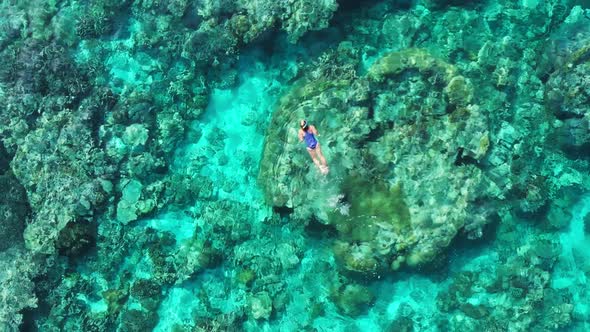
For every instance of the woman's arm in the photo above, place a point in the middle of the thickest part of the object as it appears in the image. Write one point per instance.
(300, 135)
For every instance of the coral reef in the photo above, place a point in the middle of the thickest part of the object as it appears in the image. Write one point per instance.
(353, 299)
(18, 269)
(303, 16)
(152, 179)
(261, 306)
(565, 95)
(398, 212)
(532, 303)
(14, 209)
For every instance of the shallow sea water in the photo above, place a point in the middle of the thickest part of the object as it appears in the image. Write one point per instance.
(228, 259)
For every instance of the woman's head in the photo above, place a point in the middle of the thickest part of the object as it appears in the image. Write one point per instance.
(304, 124)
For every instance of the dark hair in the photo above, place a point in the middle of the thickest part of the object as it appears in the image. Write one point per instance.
(304, 125)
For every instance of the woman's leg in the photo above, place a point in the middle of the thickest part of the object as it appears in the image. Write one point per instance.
(321, 155)
(313, 155)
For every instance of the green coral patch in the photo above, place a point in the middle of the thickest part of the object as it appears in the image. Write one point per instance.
(395, 63)
(371, 202)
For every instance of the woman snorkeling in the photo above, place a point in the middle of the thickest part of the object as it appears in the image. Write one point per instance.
(308, 134)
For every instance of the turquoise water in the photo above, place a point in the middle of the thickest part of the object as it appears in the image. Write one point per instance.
(152, 178)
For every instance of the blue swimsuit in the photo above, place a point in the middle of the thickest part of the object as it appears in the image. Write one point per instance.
(310, 140)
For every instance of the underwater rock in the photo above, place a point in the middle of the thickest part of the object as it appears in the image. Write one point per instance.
(58, 160)
(574, 134)
(134, 320)
(170, 129)
(135, 136)
(500, 156)
(287, 254)
(401, 29)
(390, 166)
(115, 299)
(183, 190)
(285, 257)
(439, 4)
(353, 299)
(4, 159)
(508, 290)
(402, 324)
(42, 236)
(218, 28)
(560, 213)
(474, 311)
(211, 40)
(148, 293)
(307, 15)
(567, 42)
(377, 218)
(160, 246)
(245, 276)
(18, 269)
(193, 256)
(131, 206)
(567, 93)
(459, 91)
(14, 210)
(395, 63)
(356, 258)
(260, 306)
(76, 238)
(126, 208)
(97, 21)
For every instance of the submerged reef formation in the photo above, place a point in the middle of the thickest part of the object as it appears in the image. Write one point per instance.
(566, 95)
(151, 177)
(14, 210)
(513, 287)
(18, 270)
(411, 109)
